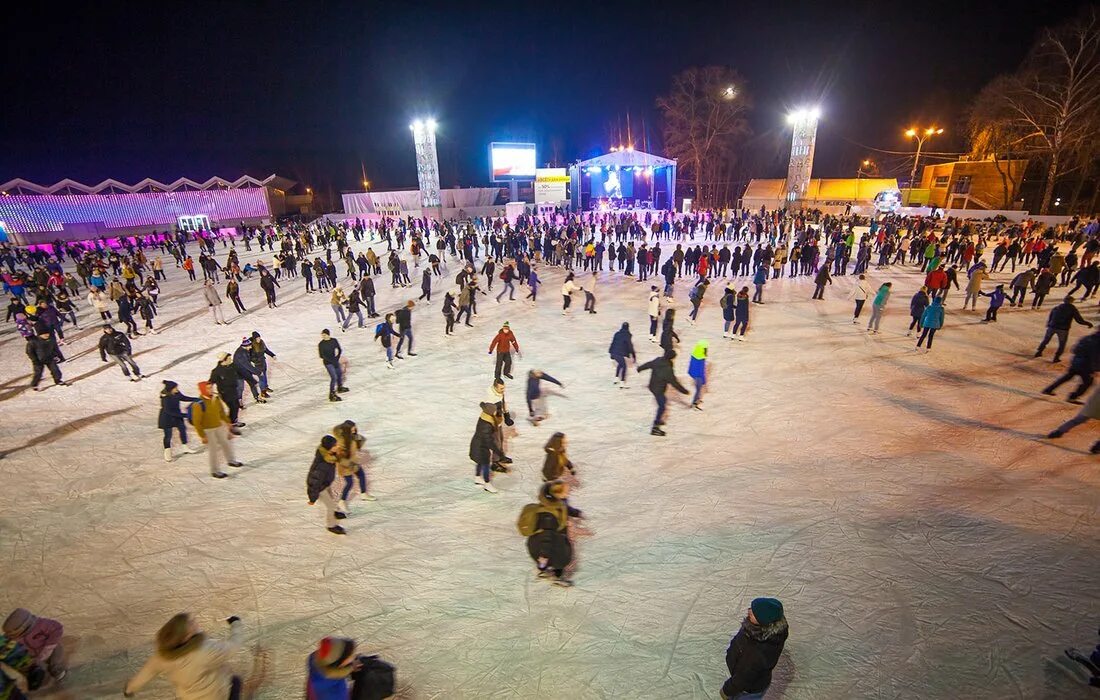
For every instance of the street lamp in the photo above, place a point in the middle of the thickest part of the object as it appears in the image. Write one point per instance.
(366, 184)
(729, 93)
(869, 165)
(920, 136)
(803, 137)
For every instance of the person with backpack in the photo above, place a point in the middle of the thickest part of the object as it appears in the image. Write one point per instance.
(508, 277)
(1059, 321)
(384, 333)
(661, 376)
(754, 650)
(622, 347)
(931, 321)
(319, 480)
(503, 343)
(213, 424)
(116, 345)
(546, 526)
(1086, 359)
(172, 417)
(536, 404)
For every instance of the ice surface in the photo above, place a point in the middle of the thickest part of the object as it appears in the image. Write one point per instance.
(925, 541)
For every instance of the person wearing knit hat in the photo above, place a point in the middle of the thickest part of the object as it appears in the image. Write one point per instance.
(42, 638)
(755, 649)
(172, 417)
(194, 664)
(330, 666)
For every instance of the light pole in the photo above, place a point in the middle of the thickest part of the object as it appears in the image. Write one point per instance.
(920, 136)
(803, 137)
(427, 166)
(866, 164)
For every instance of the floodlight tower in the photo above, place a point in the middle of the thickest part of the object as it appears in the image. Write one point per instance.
(804, 123)
(427, 166)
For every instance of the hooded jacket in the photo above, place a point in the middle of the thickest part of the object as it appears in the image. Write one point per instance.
(933, 315)
(621, 343)
(752, 654)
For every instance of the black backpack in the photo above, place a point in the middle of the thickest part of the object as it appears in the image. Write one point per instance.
(374, 680)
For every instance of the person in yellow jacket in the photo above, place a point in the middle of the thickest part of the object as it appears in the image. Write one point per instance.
(211, 421)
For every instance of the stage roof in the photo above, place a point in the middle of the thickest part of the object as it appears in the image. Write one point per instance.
(21, 186)
(626, 159)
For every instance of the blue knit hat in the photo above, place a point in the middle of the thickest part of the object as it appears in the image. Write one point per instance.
(767, 610)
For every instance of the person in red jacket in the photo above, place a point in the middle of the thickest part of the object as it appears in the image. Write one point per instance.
(503, 343)
(936, 281)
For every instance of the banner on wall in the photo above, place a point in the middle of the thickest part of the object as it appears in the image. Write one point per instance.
(551, 184)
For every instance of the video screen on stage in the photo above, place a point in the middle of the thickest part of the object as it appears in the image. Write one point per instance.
(512, 161)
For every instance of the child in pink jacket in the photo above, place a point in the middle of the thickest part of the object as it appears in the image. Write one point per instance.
(42, 638)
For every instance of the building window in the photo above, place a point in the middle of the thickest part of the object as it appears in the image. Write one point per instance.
(942, 180)
(962, 185)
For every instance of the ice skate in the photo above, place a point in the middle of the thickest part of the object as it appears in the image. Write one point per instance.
(490, 488)
(337, 530)
(368, 497)
(479, 481)
(219, 475)
(189, 448)
(339, 515)
(656, 431)
(167, 454)
(235, 464)
(563, 582)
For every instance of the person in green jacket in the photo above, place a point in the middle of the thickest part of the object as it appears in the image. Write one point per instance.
(878, 306)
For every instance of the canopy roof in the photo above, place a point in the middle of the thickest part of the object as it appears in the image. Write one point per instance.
(626, 159)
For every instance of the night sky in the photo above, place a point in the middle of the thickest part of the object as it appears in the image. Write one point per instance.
(152, 90)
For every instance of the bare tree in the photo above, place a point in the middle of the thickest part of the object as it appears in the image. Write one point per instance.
(704, 118)
(1047, 106)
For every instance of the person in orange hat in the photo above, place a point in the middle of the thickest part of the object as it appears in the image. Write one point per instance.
(211, 422)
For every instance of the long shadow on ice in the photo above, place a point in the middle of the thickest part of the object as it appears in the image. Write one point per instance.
(66, 429)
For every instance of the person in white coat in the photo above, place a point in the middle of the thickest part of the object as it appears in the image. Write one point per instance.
(99, 302)
(210, 293)
(196, 666)
(567, 289)
(860, 293)
(654, 312)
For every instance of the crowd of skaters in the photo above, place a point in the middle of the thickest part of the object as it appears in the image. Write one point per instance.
(765, 246)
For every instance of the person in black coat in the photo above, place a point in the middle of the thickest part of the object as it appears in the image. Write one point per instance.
(1086, 360)
(1059, 321)
(485, 443)
(668, 335)
(259, 353)
(621, 348)
(268, 284)
(172, 417)
(117, 345)
(367, 294)
(322, 472)
(227, 378)
(242, 360)
(43, 352)
(549, 546)
(755, 649)
(660, 378)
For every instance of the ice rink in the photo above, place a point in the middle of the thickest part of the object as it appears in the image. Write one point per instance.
(924, 538)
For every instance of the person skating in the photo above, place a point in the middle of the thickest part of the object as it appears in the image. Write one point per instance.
(449, 308)
(931, 321)
(996, 300)
(42, 638)
(213, 425)
(759, 280)
(653, 307)
(385, 333)
(508, 276)
(728, 304)
(590, 294)
(349, 466)
(546, 526)
(227, 378)
(536, 404)
(329, 669)
(622, 347)
(196, 666)
(696, 297)
(503, 343)
(44, 354)
(116, 345)
(567, 289)
(878, 306)
(330, 352)
(698, 371)
(269, 284)
(917, 305)
(1085, 361)
(242, 360)
(754, 650)
(1089, 411)
(668, 334)
(172, 417)
(259, 353)
(485, 445)
(403, 316)
(860, 292)
(1059, 321)
(213, 302)
(821, 279)
(319, 480)
(741, 315)
(661, 376)
(556, 464)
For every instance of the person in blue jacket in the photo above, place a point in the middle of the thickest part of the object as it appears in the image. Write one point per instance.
(996, 301)
(622, 347)
(242, 361)
(697, 370)
(759, 280)
(931, 321)
(172, 417)
(536, 406)
(329, 669)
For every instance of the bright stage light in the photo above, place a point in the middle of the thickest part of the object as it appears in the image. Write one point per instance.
(431, 125)
(416, 125)
(815, 113)
(803, 114)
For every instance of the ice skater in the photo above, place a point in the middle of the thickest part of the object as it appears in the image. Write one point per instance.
(322, 474)
(504, 342)
(622, 347)
(661, 376)
(172, 417)
(754, 650)
(698, 371)
(485, 445)
(931, 321)
(1085, 361)
(1059, 321)
(546, 526)
(878, 306)
(349, 465)
(211, 421)
(536, 402)
(194, 663)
